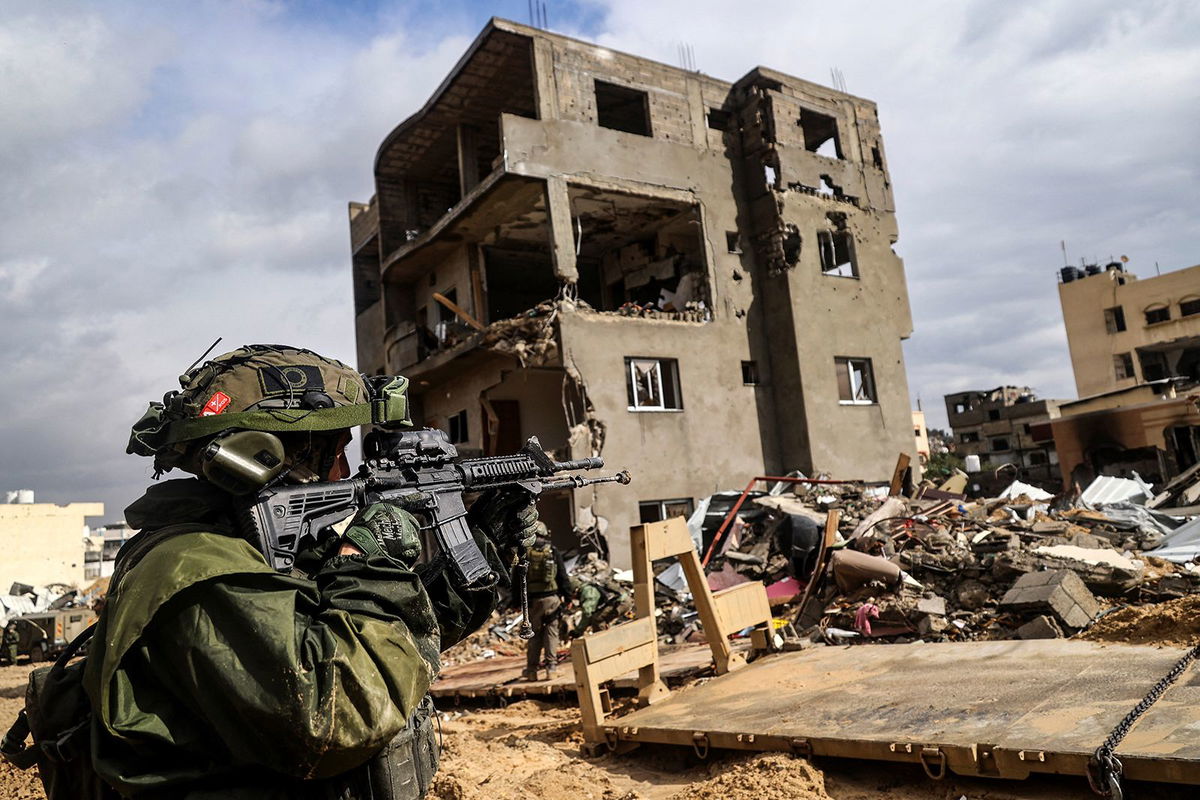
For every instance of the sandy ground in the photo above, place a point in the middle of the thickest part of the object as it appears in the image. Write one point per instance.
(531, 750)
(1175, 623)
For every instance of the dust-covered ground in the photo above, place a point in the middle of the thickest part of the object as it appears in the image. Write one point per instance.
(531, 750)
(1175, 623)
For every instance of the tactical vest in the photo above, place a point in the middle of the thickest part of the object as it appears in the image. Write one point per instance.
(543, 570)
(58, 715)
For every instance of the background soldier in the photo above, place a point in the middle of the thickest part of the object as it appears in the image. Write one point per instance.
(11, 638)
(213, 675)
(549, 590)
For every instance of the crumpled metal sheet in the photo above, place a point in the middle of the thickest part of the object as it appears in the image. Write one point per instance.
(1107, 489)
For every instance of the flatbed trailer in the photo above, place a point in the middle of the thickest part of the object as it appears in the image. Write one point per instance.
(1000, 709)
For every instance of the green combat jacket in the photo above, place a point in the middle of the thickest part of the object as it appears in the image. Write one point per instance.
(213, 675)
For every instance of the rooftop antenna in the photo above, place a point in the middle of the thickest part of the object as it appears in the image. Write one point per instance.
(1063, 244)
(1157, 271)
(545, 19)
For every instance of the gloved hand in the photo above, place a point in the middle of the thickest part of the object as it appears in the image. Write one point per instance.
(508, 516)
(384, 529)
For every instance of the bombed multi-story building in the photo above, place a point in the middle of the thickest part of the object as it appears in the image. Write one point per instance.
(692, 278)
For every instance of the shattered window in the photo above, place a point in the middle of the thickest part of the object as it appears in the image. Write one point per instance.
(837, 253)
(1114, 319)
(653, 384)
(1159, 314)
(1123, 365)
(856, 381)
(622, 109)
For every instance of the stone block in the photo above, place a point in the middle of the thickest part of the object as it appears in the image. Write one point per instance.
(1042, 627)
(1059, 593)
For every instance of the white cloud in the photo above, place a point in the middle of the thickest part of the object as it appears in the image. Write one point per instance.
(175, 172)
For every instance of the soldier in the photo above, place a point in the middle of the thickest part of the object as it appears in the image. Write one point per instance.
(549, 590)
(213, 675)
(11, 638)
(601, 601)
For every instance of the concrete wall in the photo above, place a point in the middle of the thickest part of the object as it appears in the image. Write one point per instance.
(713, 443)
(43, 543)
(1092, 347)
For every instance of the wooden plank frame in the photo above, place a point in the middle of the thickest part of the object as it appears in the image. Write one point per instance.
(601, 657)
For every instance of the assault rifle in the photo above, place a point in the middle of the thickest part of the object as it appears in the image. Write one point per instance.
(420, 471)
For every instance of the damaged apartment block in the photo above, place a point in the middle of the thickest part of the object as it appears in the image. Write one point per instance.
(691, 277)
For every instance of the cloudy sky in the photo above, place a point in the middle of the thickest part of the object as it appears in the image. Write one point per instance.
(178, 171)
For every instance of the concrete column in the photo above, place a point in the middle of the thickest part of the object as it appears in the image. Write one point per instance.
(562, 234)
(543, 79)
(468, 158)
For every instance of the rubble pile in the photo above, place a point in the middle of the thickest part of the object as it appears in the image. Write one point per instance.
(528, 337)
(939, 567)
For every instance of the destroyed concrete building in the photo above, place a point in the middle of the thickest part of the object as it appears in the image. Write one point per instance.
(1135, 351)
(693, 278)
(1006, 425)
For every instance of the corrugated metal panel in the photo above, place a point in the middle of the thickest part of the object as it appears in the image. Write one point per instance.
(1106, 489)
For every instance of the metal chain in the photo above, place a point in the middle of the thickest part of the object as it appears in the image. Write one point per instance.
(1105, 769)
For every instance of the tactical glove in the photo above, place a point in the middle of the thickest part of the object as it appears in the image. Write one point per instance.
(508, 516)
(384, 529)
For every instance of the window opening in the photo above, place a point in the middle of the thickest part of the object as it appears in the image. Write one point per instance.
(770, 176)
(750, 373)
(820, 134)
(877, 157)
(1188, 308)
(1156, 315)
(458, 428)
(731, 242)
(622, 109)
(837, 253)
(653, 384)
(1123, 365)
(993, 414)
(1154, 365)
(969, 436)
(791, 245)
(719, 119)
(1114, 319)
(999, 445)
(658, 510)
(856, 381)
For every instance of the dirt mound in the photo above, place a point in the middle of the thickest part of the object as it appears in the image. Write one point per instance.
(768, 776)
(1173, 623)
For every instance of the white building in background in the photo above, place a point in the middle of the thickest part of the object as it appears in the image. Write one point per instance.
(43, 543)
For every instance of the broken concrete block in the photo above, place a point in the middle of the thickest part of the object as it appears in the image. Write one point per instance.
(932, 605)
(1060, 593)
(1042, 627)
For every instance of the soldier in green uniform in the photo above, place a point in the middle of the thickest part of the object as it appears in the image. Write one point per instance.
(549, 591)
(11, 638)
(600, 603)
(212, 675)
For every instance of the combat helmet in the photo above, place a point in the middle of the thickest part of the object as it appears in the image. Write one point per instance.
(232, 415)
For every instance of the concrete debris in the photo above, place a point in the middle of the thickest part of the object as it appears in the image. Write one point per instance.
(1042, 627)
(1060, 594)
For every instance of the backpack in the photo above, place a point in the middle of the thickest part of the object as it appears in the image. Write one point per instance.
(543, 571)
(58, 712)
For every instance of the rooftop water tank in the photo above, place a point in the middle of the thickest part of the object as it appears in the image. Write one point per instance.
(1070, 274)
(19, 496)
(1093, 269)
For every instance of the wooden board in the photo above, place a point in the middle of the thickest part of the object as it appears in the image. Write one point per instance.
(1003, 709)
(501, 676)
